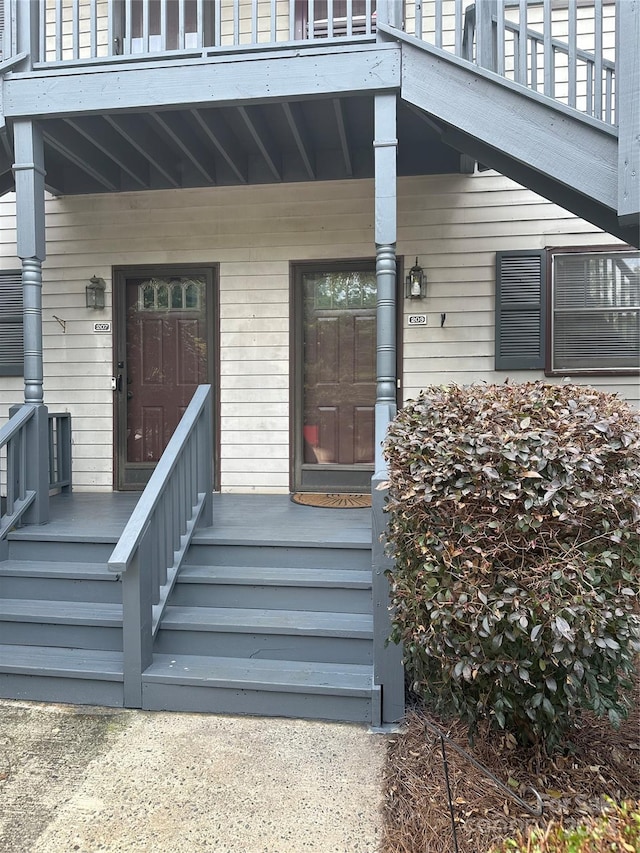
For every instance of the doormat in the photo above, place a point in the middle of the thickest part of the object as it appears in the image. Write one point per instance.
(332, 501)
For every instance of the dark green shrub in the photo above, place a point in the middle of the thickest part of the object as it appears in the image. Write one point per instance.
(618, 828)
(514, 523)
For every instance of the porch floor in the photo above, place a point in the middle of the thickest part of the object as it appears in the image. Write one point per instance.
(259, 519)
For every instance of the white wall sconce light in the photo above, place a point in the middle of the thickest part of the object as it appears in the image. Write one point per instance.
(95, 293)
(416, 283)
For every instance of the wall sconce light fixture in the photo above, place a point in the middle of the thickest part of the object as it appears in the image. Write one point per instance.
(95, 292)
(416, 283)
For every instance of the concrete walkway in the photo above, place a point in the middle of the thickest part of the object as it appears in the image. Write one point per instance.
(96, 779)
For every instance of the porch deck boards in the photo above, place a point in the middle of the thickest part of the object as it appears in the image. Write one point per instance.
(100, 517)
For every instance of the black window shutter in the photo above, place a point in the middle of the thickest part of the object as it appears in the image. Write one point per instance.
(11, 345)
(520, 310)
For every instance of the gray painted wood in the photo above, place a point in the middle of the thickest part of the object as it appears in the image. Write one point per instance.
(514, 121)
(212, 700)
(149, 86)
(628, 113)
(300, 132)
(285, 659)
(388, 671)
(579, 204)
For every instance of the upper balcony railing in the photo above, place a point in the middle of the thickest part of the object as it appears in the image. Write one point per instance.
(564, 49)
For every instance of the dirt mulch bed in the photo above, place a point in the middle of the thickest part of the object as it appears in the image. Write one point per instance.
(601, 762)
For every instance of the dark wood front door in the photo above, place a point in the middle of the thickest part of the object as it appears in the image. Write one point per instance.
(335, 423)
(164, 353)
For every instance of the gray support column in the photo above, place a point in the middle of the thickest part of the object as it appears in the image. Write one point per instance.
(388, 674)
(385, 145)
(29, 177)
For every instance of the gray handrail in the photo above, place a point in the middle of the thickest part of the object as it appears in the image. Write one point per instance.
(13, 437)
(150, 551)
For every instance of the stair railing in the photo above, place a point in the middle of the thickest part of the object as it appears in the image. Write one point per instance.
(565, 51)
(148, 555)
(13, 460)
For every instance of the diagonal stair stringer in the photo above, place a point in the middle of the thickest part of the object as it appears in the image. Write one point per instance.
(562, 154)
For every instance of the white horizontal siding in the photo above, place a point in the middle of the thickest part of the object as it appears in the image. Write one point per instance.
(453, 224)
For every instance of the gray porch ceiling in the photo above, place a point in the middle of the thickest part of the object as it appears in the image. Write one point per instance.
(304, 140)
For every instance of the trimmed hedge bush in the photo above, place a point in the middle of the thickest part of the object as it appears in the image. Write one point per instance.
(514, 523)
(618, 829)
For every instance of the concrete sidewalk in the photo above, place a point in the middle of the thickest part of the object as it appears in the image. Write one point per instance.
(97, 779)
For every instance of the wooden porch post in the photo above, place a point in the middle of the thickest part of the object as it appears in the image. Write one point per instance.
(388, 676)
(29, 177)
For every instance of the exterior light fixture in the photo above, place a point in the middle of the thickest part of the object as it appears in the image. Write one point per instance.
(416, 283)
(95, 292)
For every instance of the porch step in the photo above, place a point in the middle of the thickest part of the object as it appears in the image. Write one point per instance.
(62, 581)
(56, 674)
(71, 624)
(271, 634)
(263, 587)
(265, 687)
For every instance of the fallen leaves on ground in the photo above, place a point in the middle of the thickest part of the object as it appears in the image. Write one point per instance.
(600, 762)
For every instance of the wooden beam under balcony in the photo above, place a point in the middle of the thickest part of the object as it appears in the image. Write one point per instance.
(348, 69)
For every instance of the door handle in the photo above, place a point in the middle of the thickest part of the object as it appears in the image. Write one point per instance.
(119, 383)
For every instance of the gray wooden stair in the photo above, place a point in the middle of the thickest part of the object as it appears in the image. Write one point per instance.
(277, 687)
(285, 631)
(57, 674)
(60, 623)
(78, 581)
(71, 624)
(252, 626)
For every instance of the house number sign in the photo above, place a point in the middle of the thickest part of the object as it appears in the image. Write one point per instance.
(102, 327)
(417, 319)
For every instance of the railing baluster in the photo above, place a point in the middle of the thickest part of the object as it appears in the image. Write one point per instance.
(609, 108)
(236, 21)
(292, 20)
(330, 18)
(274, 21)
(200, 23)
(58, 30)
(549, 81)
(163, 25)
(217, 24)
(438, 24)
(75, 29)
(458, 28)
(311, 20)
(598, 48)
(254, 21)
(145, 26)
(500, 37)
(523, 43)
(181, 26)
(589, 72)
(93, 29)
(572, 55)
(349, 14)
(42, 48)
(128, 12)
